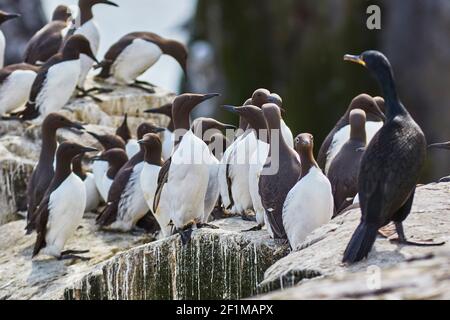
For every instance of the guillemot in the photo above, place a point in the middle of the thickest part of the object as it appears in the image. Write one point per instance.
(280, 172)
(61, 210)
(168, 138)
(44, 171)
(341, 131)
(183, 179)
(309, 204)
(116, 159)
(344, 168)
(4, 16)
(92, 195)
(89, 29)
(137, 52)
(47, 41)
(99, 168)
(123, 131)
(16, 81)
(390, 167)
(56, 80)
(126, 204)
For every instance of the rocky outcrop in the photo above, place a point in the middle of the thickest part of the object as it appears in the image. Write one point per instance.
(395, 265)
(20, 142)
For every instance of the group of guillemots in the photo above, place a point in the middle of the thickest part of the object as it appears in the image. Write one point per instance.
(177, 179)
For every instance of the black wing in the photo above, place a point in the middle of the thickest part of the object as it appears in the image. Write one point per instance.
(163, 177)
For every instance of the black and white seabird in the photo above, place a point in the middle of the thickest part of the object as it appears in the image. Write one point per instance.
(116, 159)
(123, 131)
(135, 53)
(183, 179)
(149, 175)
(344, 168)
(100, 167)
(49, 39)
(205, 129)
(254, 117)
(341, 131)
(309, 204)
(61, 210)
(44, 171)
(390, 167)
(92, 195)
(4, 16)
(16, 81)
(126, 204)
(56, 80)
(280, 173)
(89, 29)
(168, 137)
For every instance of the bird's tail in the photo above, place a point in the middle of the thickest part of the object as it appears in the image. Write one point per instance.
(361, 242)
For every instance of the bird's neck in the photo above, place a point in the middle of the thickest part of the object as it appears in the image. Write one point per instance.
(153, 156)
(63, 169)
(358, 134)
(85, 13)
(393, 104)
(308, 162)
(49, 145)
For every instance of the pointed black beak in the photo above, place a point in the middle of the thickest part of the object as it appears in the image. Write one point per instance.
(209, 96)
(231, 109)
(96, 136)
(354, 59)
(159, 129)
(110, 3)
(77, 125)
(88, 149)
(97, 158)
(141, 142)
(444, 145)
(11, 16)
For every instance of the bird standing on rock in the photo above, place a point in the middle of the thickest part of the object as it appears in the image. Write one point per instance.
(344, 168)
(285, 164)
(390, 167)
(309, 204)
(341, 131)
(44, 171)
(49, 39)
(137, 52)
(168, 138)
(183, 179)
(4, 16)
(61, 210)
(56, 80)
(126, 204)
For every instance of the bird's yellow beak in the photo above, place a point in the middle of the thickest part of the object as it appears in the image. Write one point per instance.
(354, 59)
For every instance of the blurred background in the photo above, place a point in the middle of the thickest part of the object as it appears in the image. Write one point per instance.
(292, 47)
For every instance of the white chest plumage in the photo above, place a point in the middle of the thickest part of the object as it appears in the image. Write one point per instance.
(99, 169)
(132, 204)
(212, 192)
(90, 30)
(132, 148)
(308, 206)
(15, 90)
(66, 207)
(92, 195)
(59, 85)
(343, 135)
(134, 60)
(149, 183)
(257, 161)
(2, 49)
(188, 180)
(167, 147)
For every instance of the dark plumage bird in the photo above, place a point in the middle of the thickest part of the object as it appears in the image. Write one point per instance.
(341, 131)
(126, 204)
(47, 41)
(344, 168)
(4, 16)
(61, 210)
(44, 171)
(56, 80)
(390, 167)
(135, 53)
(279, 174)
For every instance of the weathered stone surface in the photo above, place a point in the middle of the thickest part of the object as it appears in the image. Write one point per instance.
(44, 277)
(20, 143)
(217, 264)
(322, 253)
